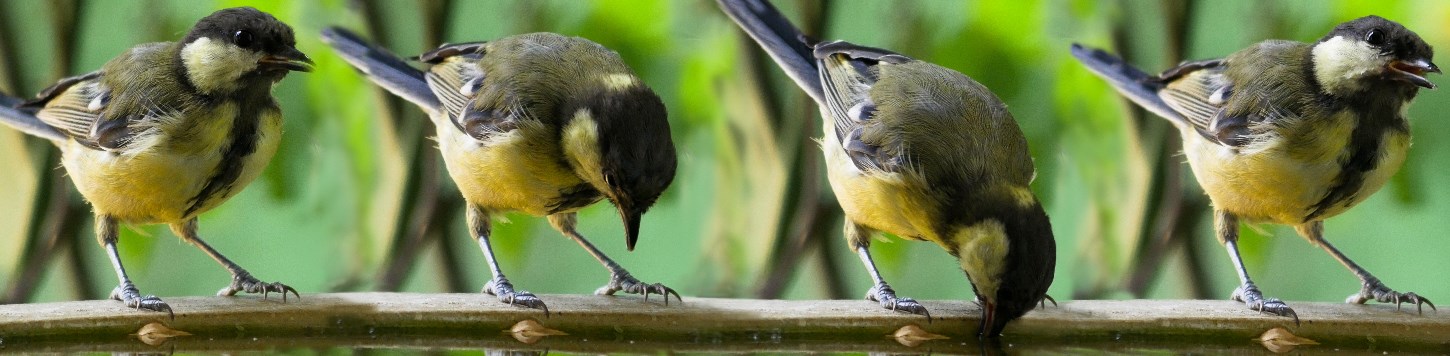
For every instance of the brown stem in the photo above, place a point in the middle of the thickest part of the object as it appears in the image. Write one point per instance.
(800, 209)
(1173, 219)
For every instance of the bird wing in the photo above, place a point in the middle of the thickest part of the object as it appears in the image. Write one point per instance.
(382, 67)
(782, 41)
(454, 77)
(456, 80)
(1132, 82)
(847, 75)
(25, 120)
(76, 106)
(1200, 92)
(1193, 94)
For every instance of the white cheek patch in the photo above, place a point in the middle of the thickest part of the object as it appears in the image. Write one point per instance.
(215, 66)
(1339, 63)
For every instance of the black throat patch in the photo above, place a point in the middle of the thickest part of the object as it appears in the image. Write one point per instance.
(244, 136)
(1366, 148)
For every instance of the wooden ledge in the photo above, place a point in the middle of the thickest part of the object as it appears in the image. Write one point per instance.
(607, 324)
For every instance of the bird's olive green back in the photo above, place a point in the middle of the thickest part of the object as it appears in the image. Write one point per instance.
(928, 113)
(537, 70)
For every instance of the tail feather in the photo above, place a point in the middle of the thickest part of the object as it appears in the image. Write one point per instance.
(382, 67)
(781, 40)
(1131, 82)
(26, 121)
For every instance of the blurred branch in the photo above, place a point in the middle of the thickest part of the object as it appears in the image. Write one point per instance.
(420, 223)
(452, 319)
(56, 228)
(1173, 217)
(803, 212)
(9, 61)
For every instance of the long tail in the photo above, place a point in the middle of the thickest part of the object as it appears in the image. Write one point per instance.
(782, 40)
(382, 67)
(1132, 82)
(27, 122)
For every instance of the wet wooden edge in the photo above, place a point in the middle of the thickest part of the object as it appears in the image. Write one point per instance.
(601, 323)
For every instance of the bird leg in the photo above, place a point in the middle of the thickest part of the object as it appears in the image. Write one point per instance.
(619, 278)
(126, 292)
(499, 285)
(1228, 232)
(1371, 287)
(242, 281)
(859, 239)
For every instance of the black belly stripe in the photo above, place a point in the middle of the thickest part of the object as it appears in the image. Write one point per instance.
(244, 135)
(1367, 142)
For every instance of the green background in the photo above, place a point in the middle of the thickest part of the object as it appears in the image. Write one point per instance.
(324, 216)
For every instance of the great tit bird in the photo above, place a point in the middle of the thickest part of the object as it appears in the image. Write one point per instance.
(1289, 132)
(539, 123)
(924, 153)
(170, 130)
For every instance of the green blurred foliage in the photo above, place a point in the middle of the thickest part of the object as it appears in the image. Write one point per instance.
(327, 207)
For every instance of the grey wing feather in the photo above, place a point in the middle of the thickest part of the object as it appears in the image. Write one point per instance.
(1198, 96)
(454, 83)
(847, 78)
(1131, 82)
(382, 67)
(781, 40)
(74, 106)
(447, 50)
(27, 122)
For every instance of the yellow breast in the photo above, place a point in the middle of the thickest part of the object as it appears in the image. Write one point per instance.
(156, 176)
(881, 201)
(1281, 183)
(519, 170)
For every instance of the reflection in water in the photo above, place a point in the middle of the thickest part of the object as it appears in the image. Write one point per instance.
(502, 352)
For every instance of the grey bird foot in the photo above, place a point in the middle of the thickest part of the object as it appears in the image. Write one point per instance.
(128, 294)
(1251, 297)
(623, 282)
(887, 297)
(505, 291)
(244, 282)
(1377, 291)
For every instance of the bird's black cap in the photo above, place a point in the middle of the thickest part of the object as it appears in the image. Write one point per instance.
(638, 155)
(1389, 36)
(264, 32)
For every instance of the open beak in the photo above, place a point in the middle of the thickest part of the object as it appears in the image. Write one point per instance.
(292, 60)
(1414, 71)
(989, 321)
(631, 225)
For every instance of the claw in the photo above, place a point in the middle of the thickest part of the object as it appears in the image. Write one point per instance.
(131, 297)
(883, 294)
(244, 282)
(1375, 290)
(623, 282)
(1047, 298)
(501, 287)
(1250, 296)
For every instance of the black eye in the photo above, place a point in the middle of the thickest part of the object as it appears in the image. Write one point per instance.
(1375, 37)
(242, 38)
